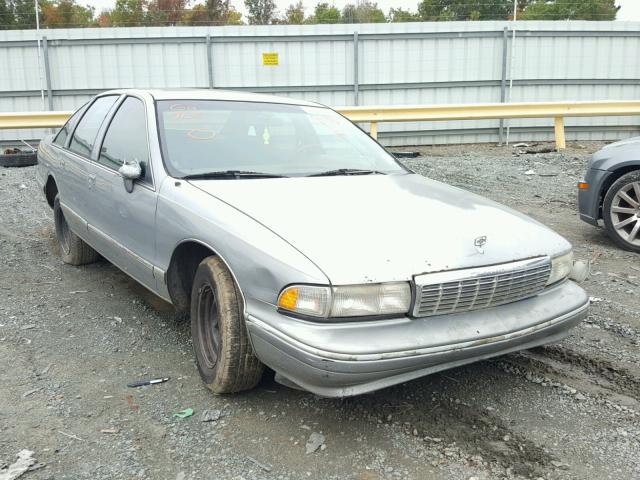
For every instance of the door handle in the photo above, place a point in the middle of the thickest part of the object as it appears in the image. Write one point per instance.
(92, 180)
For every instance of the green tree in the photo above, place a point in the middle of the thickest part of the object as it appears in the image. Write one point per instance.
(434, 10)
(128, 13)
(261, 12)
(570, 10)
(24, 13)
(364, 12)
(66, 14)
(234, 18)
(294, 14)
(165, 12)
(213, 12)
(397, 15)
(325, 14)
(6, 15)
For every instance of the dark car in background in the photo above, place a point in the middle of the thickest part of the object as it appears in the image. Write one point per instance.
(611, 192)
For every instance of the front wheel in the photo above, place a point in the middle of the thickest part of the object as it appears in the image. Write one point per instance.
(224, 354)
(621, 211)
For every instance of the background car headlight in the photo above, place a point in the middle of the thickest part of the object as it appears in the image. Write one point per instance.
(561, 267)
(347, 300)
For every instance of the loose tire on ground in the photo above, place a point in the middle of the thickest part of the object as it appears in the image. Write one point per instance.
(224, 354)
(73, 249)
(627, 211)
(21, 159)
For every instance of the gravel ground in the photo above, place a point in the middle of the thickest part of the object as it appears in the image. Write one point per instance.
(72, 338)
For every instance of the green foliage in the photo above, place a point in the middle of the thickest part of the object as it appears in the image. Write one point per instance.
(570, 10)
(400, 15)
(128, 13)
(6, 15)
(294, 15)
(261, 12)
(213, 12)
(325, 14)
(364, 12)
(24, 13)
(20, 14)
(436, 10)
(66, 14)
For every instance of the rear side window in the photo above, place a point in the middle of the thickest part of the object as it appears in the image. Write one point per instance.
(126, 138)
(85, 135)
(65, 131)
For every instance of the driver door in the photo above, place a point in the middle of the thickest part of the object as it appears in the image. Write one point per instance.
(124, 227)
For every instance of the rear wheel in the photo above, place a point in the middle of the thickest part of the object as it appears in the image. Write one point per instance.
(74, 250)
(621, 211)
(224, 354)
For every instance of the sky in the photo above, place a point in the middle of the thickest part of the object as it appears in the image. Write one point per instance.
(630, 8)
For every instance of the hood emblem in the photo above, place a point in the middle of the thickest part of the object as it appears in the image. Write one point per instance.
(479, 243)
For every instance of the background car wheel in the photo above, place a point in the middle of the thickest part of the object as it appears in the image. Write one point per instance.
(621, 211)
(74, 250)
(224, 355)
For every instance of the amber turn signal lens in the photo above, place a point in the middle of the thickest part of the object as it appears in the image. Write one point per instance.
(289, 299)
(583, 186)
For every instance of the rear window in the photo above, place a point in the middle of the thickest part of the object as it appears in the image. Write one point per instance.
(85, 135)
(65, 131)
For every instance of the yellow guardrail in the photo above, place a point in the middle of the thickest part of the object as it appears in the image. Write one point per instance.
(431, 113)
(33, 119)
(375, 115)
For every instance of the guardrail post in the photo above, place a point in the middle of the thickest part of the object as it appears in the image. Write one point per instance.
(210, 61)
(374, 130)
(561, 143)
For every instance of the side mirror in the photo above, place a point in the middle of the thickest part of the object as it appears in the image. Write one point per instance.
(130, 171)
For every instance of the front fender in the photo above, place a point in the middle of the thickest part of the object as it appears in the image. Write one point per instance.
(261, 261)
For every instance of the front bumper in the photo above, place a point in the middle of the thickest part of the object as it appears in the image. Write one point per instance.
(344, 359)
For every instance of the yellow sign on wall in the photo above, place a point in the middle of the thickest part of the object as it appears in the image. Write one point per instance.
(270, 59)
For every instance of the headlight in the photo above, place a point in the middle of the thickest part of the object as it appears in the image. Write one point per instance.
(306, 300)
(560, 268)
(347, 300)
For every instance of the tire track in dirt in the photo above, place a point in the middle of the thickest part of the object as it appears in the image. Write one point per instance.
(554, 365)
(457, 429)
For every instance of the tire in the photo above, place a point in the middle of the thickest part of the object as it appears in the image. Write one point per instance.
(224, 354)
(621, 211)
(73, 249)
(22, 159)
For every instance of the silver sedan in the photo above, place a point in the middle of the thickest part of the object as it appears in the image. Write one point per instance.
(296, 241)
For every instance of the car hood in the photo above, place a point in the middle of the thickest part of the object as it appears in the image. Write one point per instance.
(380, 228)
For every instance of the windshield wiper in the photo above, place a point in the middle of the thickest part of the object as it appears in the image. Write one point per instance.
(347, 171)
(231, 174)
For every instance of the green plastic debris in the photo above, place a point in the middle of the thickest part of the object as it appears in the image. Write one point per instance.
(187, 412)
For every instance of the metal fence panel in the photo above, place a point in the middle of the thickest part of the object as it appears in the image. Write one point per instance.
(367, 64)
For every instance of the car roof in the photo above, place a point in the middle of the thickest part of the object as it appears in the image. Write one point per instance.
(212, 94)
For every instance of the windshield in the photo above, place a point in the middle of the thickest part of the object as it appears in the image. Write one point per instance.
(200, 137)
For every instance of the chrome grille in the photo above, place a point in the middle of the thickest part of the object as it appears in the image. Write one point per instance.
(476, 288)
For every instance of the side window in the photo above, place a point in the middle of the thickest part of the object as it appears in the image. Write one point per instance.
(85, 135)
(65, 131)
(126, 138)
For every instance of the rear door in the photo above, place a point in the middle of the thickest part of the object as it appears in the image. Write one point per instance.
(123, 226)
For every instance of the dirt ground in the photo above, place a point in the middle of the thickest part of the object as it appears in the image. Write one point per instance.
(72, 338)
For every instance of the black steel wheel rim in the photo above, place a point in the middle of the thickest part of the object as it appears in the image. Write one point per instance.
(208, 326)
